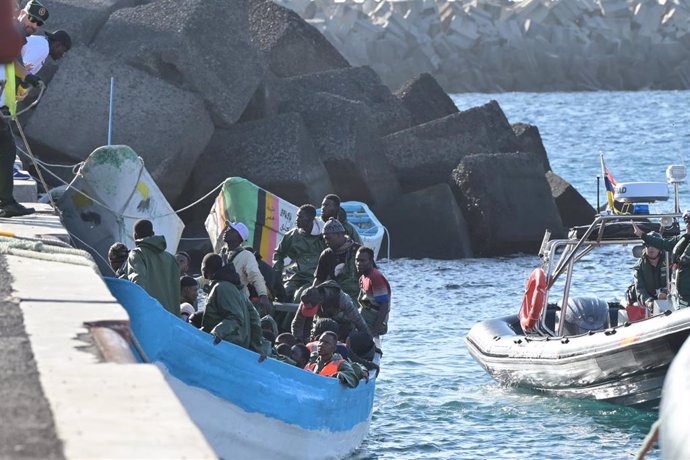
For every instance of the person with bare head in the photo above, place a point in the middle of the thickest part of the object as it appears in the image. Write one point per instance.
(153, 268)
(330, 364)
(374, 294)
(117, 256)
(330, 209)
(183, 260)
(303, 248)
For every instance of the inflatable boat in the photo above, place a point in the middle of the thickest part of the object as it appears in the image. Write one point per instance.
(585, 346)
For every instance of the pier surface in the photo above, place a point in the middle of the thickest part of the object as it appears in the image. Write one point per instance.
(61, 395)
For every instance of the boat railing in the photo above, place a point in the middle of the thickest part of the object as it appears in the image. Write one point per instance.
(575, 249)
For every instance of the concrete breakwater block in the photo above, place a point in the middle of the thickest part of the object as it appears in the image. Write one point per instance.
(167, 126)
(507, 202)
(572, 206)
(201, 45)
(424, 98)
(274, 153)
(426, 154)
(445, 234)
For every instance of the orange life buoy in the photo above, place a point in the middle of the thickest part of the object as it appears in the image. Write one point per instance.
(534, 299)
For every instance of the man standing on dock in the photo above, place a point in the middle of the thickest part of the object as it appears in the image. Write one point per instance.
(154, 269)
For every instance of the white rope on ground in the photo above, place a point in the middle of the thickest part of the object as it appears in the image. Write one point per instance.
(41, 251)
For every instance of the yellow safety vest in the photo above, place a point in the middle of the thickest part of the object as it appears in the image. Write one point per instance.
(11, 89)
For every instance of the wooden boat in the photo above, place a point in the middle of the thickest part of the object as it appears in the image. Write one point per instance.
(585, 347)
(268, 217)
(110, 192)
(244, 408)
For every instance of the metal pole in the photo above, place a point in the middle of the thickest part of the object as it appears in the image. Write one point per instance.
(598, 186)
(110, 111)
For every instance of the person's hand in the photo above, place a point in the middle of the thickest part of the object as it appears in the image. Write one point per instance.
(262, 356)
(637, 230)
(265, 305)
(33, 80)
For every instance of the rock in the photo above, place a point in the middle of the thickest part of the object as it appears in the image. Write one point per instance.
(345, 136)
(354, 83)
(426, 154)
(200, 45)
(507, 202)
(72, 119)
(574, 208)
(82, 19)
(425, 99)
(275, 153)
(529, 140)
(426, 223)
(292, 46)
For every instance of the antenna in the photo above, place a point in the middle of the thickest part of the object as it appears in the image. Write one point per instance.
(110, 110)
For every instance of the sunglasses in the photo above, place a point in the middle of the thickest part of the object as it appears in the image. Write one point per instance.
(38, 22)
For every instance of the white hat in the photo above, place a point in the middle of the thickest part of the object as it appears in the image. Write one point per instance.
(186, 309)
(240, 228)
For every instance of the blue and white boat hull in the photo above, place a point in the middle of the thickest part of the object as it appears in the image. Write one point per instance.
(244, 408)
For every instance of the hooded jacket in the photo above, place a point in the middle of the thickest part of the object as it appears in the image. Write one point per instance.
(156, 270)
(229, 314)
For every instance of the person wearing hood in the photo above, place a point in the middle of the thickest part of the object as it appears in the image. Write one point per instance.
(337, 261)
(650, 275)
(327, 300)
(229, 315)
(154, 269)
(303, 249)
(679, 247)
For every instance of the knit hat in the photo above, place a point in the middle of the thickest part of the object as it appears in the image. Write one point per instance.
(188, 281)
(333, 226)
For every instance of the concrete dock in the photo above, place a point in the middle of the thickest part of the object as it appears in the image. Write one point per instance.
(62, 393)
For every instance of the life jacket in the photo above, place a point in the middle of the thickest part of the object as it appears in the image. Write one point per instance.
(329, 370)
(10, 89)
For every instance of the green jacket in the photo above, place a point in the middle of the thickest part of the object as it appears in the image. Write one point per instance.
(304, 251)
(649, 278)
(230, 315)
(157, 271)
(680, 255)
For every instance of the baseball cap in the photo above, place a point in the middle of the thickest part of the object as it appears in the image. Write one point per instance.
(60, 36)
(188, 281)
(37, 11)
(240, 228)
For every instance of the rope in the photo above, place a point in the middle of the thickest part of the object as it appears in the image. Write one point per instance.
(51, 165)
(38, 171)
(30, 106)
(39, 250)
(107, 262)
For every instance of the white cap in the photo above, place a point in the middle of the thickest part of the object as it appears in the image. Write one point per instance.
(240, 228)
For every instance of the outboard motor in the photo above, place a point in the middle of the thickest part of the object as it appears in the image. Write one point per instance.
(585, 314)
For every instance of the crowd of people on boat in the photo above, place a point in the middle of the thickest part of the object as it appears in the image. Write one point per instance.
(342, 299)
(16, 79)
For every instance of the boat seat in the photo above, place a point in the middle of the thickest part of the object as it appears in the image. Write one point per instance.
(585, 314)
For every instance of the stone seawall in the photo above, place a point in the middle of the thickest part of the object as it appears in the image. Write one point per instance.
(503, 45)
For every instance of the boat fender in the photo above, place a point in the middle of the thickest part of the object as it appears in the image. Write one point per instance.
(534, 300)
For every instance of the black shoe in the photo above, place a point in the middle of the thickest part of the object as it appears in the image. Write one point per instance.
(15, 210)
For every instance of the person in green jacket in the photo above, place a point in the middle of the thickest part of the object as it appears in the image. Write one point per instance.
(650, 275)
(337, 261)
(680, 256)
(154, 269)
(330, 208)
(229, 314)
(303, 249)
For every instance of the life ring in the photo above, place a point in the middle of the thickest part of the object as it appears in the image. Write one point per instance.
(534, 299)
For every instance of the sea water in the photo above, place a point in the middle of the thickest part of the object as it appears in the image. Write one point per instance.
(432, 399)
